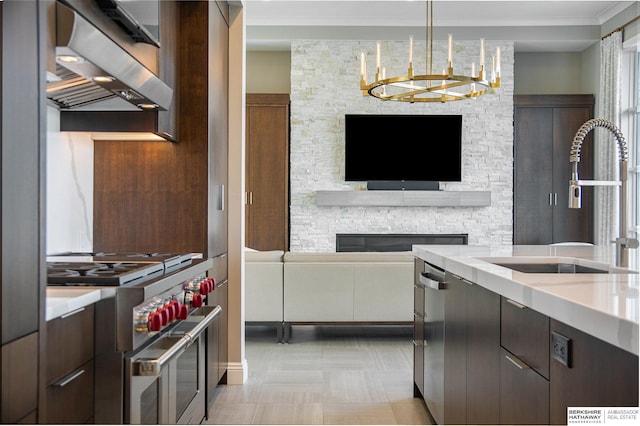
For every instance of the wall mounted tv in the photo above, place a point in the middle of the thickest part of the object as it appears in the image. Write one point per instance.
(403, 151)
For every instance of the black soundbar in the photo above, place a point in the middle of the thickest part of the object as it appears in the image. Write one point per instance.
(402, 185)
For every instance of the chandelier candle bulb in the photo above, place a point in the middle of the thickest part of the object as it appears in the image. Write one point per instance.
(450, 57)
(411, 52)
(481, 54)
(498, 62)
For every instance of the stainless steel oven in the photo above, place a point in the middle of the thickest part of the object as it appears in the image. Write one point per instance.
(150, 333)
(166, 379)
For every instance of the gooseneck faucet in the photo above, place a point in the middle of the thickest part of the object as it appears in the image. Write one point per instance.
(623, 243)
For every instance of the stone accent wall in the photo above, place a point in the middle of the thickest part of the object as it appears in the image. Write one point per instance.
(325, 87)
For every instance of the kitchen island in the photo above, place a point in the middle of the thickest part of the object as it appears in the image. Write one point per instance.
(502, 345)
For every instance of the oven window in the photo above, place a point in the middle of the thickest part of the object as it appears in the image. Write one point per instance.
(149, 405)
(186, 379)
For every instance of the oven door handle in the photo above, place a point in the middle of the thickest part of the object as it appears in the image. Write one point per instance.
(154, 367)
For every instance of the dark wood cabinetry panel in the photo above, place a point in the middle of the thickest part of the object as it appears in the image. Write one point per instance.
(70, 343)
(483, 350)
(472, 344)
(599, 375)
(152, 196)
(19, 378)
(524, 394)
(524, 365)
(544, 127)
(525, 333)
(71, 402)
(69, 394)
(22, 200)
(267, 171)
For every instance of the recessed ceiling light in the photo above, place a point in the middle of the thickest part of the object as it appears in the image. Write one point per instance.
(148, 106)
(103, 79)
(69, 59)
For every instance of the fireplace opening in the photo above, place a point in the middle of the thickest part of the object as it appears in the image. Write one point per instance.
(393, 242)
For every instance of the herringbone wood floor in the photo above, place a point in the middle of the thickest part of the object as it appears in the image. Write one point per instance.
(324, 375)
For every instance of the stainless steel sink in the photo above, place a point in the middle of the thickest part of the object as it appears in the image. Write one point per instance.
(555, 265)
(552, 268)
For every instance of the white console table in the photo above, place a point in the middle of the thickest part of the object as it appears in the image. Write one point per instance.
(404, 198)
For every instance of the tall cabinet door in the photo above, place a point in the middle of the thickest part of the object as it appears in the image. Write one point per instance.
(267, 172)
(544, 127)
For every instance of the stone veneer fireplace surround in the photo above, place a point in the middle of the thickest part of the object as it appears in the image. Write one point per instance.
(324, 87)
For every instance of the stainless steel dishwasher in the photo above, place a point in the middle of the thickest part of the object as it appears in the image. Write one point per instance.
(432, 280)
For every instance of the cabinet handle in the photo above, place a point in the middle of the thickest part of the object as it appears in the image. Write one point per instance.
(68, 379)
(251, 198)
(515, 361)
(550, 199)
(555, 198)
(421, 316)
(69, 314)
(516, 304)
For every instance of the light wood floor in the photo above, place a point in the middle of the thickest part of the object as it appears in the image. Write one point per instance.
(324, 375)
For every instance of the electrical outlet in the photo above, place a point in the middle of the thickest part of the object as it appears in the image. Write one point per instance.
(561, 348)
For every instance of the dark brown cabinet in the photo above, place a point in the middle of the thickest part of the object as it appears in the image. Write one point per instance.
(544, 127)
(524, 394)
(22, 189)
(19, 379)
(70, 368)
(524, 365)
(471, 360)
(267, 172)
(598, 375)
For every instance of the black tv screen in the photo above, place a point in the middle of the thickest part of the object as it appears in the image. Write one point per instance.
(403, 147)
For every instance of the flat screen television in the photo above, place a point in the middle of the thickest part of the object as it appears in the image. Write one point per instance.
(403, 148)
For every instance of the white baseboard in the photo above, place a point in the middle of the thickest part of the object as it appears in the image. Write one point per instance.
(237, 372)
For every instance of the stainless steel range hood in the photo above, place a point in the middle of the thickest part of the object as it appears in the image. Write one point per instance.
(84, 50)
(92, 68)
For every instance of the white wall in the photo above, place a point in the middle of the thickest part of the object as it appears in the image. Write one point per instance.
(69, 199)
(324, 87)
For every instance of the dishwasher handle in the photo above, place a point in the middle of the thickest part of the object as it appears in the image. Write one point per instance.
(431, 280)
(154, 367)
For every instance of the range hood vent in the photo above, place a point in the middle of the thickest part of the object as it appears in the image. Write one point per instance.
(91, 68)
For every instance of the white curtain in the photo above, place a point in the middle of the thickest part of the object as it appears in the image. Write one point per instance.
(607, 168)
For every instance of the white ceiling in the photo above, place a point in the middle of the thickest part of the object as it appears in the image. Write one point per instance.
(552, 25)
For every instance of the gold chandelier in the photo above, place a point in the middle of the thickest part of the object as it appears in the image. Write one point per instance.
(430, 87)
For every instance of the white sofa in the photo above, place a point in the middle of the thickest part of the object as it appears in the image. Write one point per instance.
(346, 287)
(263, 283)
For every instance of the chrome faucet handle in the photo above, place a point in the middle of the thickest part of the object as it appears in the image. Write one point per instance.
(631, 243)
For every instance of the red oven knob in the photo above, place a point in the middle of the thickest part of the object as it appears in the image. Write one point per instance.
(164, 315)
(196, 302)
(204, 287)
(183, 312)
(175, 306)
(171, 313)
(155, 322)
(212, 284)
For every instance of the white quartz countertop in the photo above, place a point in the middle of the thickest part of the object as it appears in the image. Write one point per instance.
(64, 300)
(606, 306)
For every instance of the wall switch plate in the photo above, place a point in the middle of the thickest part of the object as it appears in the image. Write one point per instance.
(561, 348)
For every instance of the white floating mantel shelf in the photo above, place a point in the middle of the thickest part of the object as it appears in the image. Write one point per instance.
(404, 198)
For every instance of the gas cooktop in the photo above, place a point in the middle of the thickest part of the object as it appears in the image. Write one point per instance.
(102, 273)
(171, 261)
